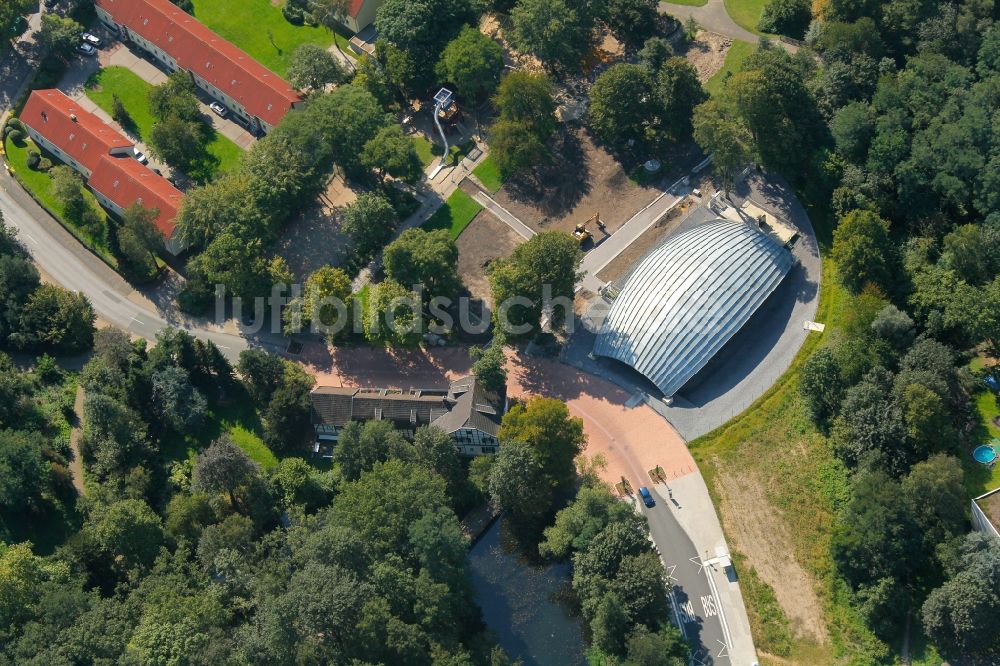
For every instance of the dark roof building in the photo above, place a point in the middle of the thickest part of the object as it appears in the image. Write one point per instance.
(465, 410)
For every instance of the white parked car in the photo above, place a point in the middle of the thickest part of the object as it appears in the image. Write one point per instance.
(139, 155)
(86, 49)
(93, 40)
(218, 109)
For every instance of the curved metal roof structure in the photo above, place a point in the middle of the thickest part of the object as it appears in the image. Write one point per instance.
(688, 297)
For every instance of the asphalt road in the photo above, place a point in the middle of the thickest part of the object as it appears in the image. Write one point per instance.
(696, 606)
(64, 261)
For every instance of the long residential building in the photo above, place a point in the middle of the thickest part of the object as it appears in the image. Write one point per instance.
(103, 156)
(464, 409)
(226, 73)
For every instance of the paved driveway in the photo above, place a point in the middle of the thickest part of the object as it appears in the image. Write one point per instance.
(711, 16)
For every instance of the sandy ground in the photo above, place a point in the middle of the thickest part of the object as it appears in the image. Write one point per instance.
(314, 239)
(583, 181)
(632, 440)
(758, 531)
(707, 53)
(644, 243)
(485, 239)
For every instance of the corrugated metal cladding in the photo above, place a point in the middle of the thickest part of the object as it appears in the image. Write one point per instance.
(688, 297)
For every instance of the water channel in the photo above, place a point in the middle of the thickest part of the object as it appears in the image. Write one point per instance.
(527, 605)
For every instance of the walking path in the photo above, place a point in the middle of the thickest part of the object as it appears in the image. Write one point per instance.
(711, 16)
(76, 464)
(502, 214)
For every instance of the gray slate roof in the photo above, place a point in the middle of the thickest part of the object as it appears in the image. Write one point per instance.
(688, 297)
(464, 404)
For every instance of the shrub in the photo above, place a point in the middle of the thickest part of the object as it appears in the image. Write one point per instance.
(16, 136)
(45, 164)
(786, 17)
(293, 14)
(34, 158)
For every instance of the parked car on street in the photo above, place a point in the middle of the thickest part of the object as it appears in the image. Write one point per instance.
(218, 109)
(86, 49)
(93, 40)
(139, 155)
(647, 498)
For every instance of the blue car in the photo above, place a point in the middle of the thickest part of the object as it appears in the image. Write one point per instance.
(647, 499)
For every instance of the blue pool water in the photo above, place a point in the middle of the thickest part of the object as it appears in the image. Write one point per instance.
(984, 454)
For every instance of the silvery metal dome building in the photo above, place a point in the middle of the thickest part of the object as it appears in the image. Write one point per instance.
(690, 295)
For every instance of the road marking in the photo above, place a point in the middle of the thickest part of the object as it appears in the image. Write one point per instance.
(708, 606)
(31, 238)
(136, 320)
(670, 572)
(722, 650)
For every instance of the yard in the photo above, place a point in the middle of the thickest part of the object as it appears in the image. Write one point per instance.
(746, 13)
(429, 150)
(134, 94)
(489, 175)
(257, 27)
(39, 185)
(485, 240)
(454, 215)
(737, 53)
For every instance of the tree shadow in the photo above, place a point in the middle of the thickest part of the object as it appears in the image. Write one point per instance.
(555, 188)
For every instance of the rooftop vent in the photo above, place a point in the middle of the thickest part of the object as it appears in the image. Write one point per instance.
(72, 117)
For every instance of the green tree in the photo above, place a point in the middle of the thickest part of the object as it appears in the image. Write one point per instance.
(515, 146)
(425, 258)
(623, 108)
(56, 319)
(852, 128)
(678, 91)
(473, 63)
(114, 436)
(631, 21)
(361, 446)
(262, 374)
(392, 153)
(59, 34)
(188, 515)
(610, 626)
(862, 250)
(575, 527)
(489, 365)
(555, 437)
(288, 417)
(67, 188)
(821, 385)
(665, 647)
(233, 261)
(370, 222)
(529, 98)
(224, 468)
(177, 97)
(127, 533)
(435, 449)
(139, 240)
(24, 475)
(393, 314)
(314, 68)
(182, 406)
(654, 52)
(208, 210)
(547, 265)
(178, 142)
(347, 118)
(557, 32)
(721, 133)
(786, 17)
(10, 12)
(325, 289)
(518, 485)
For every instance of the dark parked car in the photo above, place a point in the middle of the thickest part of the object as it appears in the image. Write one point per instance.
(647, 498)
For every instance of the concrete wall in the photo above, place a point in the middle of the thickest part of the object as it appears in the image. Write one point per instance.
(980, 522)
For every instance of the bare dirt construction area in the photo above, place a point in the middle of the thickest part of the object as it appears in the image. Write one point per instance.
(484, 240)
(582, 181)
(314, 239)
(706, 53)
(646, 242)
(760, 532)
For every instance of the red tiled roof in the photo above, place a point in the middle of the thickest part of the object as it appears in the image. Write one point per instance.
(260, 91)
(86, 139)
(124, 181)
(356, 6)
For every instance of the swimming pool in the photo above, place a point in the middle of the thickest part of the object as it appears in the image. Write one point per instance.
(985, 454)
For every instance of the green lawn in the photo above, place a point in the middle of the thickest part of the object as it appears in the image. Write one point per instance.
(489, 175)
(134, 94)
(257, 27)
(979, 479)
(40, 186)
(238, 419)
(428, 150)
(746, 13)
(733, 64)
(455, 215)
